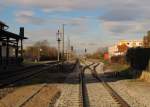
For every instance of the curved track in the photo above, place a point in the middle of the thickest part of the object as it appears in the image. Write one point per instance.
(112, 92)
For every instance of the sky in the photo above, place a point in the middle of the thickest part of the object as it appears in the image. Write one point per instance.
(89, 24)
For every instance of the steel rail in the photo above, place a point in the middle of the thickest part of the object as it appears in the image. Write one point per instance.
(22, 103)
(25, 68)
(111, 91)
(23, 77)
(84, 96)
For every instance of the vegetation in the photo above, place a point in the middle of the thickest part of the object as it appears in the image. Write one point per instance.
(138, 58)
(99, 54)
(118, 59)
(40, 51)
(122, 48)
(146, 40)
(117, 67)
(122, 71)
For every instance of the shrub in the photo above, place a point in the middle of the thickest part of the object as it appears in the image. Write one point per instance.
(118, 59)
(138, 58)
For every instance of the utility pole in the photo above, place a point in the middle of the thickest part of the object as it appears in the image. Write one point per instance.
(85, 53)
(68, 49)
(85, 50)
(63, 39)
(58, 40)
(21, 34)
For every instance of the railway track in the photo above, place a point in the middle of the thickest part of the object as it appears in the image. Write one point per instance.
(8, 74)
(27, 99)
(21, 75)
(85, 89)
(70, 90)
(112, 92)
(8, 82)
(35, 91)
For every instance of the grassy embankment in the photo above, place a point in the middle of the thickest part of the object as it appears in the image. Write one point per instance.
(118, 70)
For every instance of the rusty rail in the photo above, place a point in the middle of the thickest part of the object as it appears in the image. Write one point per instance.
(111, 91)
(84, 94)
(30, 74)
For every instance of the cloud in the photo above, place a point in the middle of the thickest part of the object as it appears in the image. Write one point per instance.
(117, 17)
(27, 17)
(126, 27)
(25, 13)
(92, 44)
(67, 5)
(55, 4)
(39, 35)
(112, 7)
(121, 15)
(1, 7)
(71, 21)
(126, 10)
(59, 9)
(114, 10)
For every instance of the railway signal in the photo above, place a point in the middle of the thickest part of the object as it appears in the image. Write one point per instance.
(63, 39)
(85, 50)
(58, 34)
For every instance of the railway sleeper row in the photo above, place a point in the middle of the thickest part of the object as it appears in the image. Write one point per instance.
(112, 92)
(9, 86)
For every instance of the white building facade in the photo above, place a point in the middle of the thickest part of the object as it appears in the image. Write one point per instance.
(113, 50)
(131, 43)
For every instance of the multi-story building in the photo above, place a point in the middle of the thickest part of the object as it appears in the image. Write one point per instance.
(115, 51)
(131, 43)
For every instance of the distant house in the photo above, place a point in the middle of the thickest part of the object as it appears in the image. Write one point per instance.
(121, 47)
(11, 45)
(113, 51)
(131, 43)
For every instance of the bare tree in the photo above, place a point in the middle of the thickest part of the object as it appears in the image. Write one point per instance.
(41, 50)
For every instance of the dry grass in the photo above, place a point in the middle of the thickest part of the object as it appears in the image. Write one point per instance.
(45, 98)
(145, 76)
(117, 67)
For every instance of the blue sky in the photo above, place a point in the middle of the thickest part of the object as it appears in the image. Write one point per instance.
(90, 24)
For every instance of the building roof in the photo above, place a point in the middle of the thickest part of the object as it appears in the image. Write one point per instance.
(130, 40)
(3, 24)
(4, 33)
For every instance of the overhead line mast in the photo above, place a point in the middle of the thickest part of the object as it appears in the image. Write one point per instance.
(63, 40)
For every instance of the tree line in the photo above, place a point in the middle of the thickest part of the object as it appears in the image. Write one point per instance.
(40, 51)
(138, 58)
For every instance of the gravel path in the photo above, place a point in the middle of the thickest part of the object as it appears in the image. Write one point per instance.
(37, 89)
(70, 96)
(98, 96)
(142, 92)
(121, 88)
(17, 97)
(45, 98)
